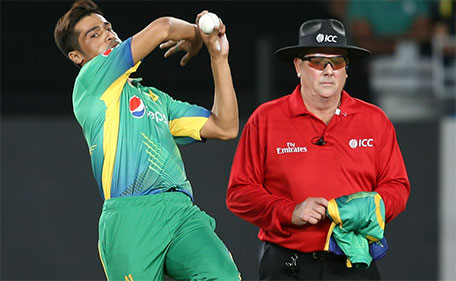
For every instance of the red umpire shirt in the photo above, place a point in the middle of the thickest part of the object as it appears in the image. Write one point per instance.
(286, 154)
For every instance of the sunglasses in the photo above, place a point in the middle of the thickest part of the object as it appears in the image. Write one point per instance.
(321, 62)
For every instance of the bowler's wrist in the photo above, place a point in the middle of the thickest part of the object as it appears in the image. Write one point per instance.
(219, 59)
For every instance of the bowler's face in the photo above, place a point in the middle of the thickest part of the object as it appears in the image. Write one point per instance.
(95, 36)
(325, 83)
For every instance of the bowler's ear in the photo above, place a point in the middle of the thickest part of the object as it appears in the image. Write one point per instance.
(76, 57)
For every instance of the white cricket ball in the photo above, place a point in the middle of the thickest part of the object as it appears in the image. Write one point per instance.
(208, 22)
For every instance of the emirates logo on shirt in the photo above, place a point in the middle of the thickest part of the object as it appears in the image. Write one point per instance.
(291, 148)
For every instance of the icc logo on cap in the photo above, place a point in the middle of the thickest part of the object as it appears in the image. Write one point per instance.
(320, 38)
(326, 38)
(137, 108)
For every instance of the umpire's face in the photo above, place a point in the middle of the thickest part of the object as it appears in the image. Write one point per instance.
(322, 73)
(95, 36)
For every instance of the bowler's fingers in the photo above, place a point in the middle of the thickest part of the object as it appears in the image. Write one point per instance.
(185, 59)
(217, 37)
(221, 28)
(174, 47)
(168, 44)
(218, 31)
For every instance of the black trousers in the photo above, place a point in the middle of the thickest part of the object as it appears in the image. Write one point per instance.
(278, 263)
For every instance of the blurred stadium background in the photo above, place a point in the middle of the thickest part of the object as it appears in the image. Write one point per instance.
(49, 199)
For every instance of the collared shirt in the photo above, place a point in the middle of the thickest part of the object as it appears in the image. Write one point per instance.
(279, 164)
(132, 131)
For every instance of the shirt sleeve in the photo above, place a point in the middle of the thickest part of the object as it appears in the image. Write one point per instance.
(247, 197)
(392, 180)
(185, 119)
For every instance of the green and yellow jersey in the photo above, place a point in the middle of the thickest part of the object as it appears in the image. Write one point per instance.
(132, 131)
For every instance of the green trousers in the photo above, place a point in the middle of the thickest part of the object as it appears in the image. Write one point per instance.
(144, 237)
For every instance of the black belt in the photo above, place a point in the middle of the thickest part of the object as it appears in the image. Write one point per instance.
(172, 189)
(317, 255)
(321, 256)
(324, 256)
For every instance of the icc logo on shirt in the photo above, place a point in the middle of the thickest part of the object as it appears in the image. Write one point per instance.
(354, 143)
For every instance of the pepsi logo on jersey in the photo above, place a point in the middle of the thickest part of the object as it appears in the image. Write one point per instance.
(137, 107)
(138, 110)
